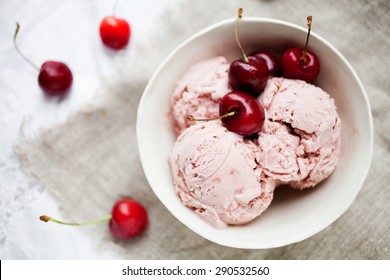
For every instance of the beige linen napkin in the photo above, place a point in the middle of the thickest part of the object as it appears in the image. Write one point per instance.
(91, 160)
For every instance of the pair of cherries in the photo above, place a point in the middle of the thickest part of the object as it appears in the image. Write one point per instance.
(127, 220)
(251, 73)
(55, 78)
(240, 111)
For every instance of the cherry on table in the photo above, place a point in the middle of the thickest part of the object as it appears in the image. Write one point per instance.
(55, 78)
(114, 32)
(299, 63)
(127, 220)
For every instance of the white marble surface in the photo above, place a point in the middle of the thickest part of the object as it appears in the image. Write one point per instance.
(65, 31)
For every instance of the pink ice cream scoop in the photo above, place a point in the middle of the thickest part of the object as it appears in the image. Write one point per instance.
(199, 90)
(300, 141)
(215, 173)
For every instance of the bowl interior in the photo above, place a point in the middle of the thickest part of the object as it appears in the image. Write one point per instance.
(293, 215)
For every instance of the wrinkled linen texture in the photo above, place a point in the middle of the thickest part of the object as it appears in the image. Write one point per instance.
(92, 160)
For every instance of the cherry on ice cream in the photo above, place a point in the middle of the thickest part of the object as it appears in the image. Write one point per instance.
(249, 73)
(248, 117)
(271, 61)
(239, 112)
(299, 63)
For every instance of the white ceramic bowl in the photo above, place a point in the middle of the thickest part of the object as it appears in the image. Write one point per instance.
(293, 215)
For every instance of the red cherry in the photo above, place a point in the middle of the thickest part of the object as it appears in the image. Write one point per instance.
(129, 219)
(114, 32)
(295, 67)
(55, 78)
(300, 63)
(271, 61)
(250, 76)
(248, 117)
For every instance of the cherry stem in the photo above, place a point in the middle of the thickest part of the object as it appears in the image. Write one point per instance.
(114, 7)
(239, 16)
(192, 118)
(46, 219)
(25, 58)
(303, 57)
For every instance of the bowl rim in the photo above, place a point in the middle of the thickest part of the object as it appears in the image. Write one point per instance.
(297, 237)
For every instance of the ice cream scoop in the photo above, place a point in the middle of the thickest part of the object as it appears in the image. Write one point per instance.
(300, 143)
(215, 173)
(199, 90)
